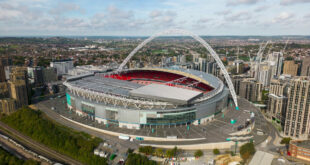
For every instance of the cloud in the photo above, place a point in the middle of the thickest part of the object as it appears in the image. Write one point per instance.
(307, 16)
(155, 13)
(241, 2)
(292, 2)
(6, 14)
(62, 8)
(17, 12)
(224, 12)
(164, 18)
(283, 17)
(116, 19)
(205, 20)
(28, 17)
(262, 8)
(203, 23)
(239, 16)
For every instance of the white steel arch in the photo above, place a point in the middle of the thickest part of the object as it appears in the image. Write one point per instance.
(200, 40)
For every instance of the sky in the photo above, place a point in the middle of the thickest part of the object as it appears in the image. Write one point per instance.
(146, 17)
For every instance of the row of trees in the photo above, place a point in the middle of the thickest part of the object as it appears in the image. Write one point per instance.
(8, 159)
(169, 153)
(246, 151)
(36, 125)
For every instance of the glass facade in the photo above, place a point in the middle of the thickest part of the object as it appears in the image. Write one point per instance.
(90, 110)
(172, 119)
(68, 99)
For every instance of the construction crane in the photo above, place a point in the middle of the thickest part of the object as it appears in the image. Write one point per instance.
(249, 57)
(262, 51)
(259, 56)
(238, 61)
(271, 46)
(285, 46)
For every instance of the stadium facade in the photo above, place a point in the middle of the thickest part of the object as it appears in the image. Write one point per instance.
(137, 98)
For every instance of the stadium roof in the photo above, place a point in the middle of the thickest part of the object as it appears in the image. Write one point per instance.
(104, 85)
(166, 93)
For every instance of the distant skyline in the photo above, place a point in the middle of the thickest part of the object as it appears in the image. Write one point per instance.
(146, 17)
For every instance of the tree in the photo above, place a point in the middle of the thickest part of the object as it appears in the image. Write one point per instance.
(198, 153)
(159, 152)
(172, 152)
(148, 150)
(169, 154)
(137, 159)
(216, 151)
(129, 151)
(39, 127)
(246, 150)
(285, 140)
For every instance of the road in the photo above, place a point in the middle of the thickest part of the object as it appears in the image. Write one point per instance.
(11, 150)
(37, 147)
(271, 133)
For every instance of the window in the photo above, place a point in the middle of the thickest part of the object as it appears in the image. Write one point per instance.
(173, 119)
(88, 109)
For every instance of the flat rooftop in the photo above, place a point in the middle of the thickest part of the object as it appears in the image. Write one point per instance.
(303, 144)
(166, 93)
(261, 158)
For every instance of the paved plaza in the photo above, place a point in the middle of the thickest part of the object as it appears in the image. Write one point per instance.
(218, 130)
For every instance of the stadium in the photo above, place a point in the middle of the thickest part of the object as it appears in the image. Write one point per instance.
(147, 97)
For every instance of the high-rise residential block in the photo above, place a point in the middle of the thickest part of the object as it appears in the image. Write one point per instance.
(2, 73)
(275, 61)
(7, 106)
(290, 68)
(4, 90)
(264, 73)
(251, 90)
(18, 91)
(277, 100)
(305, 66)
(298, 106)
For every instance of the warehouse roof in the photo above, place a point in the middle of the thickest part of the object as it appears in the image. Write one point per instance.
(166, 93)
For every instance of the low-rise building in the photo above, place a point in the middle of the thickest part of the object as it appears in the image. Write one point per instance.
(49, 75)
(78, 70)
(300, 149)
(62, 66)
